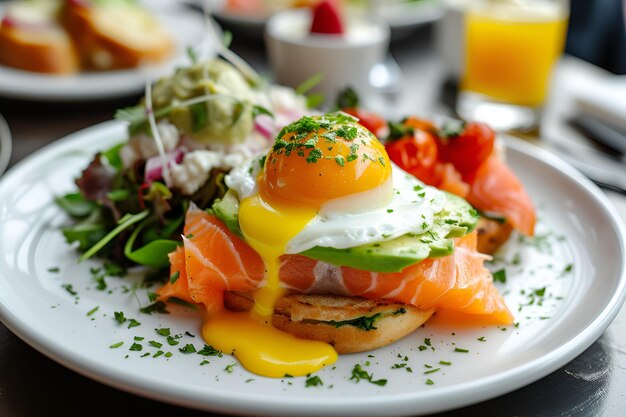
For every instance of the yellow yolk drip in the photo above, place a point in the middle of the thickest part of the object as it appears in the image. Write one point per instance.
(263, 349)
(260, 347)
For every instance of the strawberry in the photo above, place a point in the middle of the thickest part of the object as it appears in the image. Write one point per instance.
(326, 19)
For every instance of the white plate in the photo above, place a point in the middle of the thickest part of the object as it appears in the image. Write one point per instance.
(186, 26)
(578, 227)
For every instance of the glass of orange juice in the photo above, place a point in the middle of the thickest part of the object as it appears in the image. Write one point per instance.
(511, 47)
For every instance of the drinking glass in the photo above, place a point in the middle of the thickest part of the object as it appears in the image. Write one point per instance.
(511, 47)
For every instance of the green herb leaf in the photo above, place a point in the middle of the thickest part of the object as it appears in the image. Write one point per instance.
(364, 322)
(113, 157)
(359, 373)
(153, 254)
(188, 348)
(76, 205)
(199, 116)
(156, 307)
(500, 276)
(209, 350)
(124, 223)
(257, 110)
(347, 98)
(193, 56)
(119, 317)
(309, 83)
(164, 331)
(133, 323)
(313, 381)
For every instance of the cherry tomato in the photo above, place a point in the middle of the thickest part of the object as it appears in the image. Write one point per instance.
(469, 149)
(420, 124)
(417, 155)
(369, 120)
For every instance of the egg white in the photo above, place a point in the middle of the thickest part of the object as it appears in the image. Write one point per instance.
(361, 218)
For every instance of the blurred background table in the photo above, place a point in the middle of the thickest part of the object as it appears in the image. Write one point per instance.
(31, 385)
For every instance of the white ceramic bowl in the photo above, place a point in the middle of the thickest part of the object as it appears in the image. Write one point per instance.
(342, 60)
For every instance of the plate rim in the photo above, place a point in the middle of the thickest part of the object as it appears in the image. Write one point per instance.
(404, 403)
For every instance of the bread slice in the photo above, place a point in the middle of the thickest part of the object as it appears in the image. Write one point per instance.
(115, 35)
(492, 234)
(32, 40)
(350, 324)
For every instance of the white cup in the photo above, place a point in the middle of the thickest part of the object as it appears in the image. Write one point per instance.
(342, 60)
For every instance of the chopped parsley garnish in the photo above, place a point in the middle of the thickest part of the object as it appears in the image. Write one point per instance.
(208, 350)
(138, 338)
(229, 368)
(432, 371)
(500, 276)
(172, 341)
(119, 317)
(430, 382)
(313, 381)
(165, 331)
(54, 269)
(155, 344)
(156, 307)
(70, 289)
(158, 353)
(133, 323)
(188, 348)
(461, 350)
(363, 322)
(568, 268)
(358, 373)
(445, 363)
(136, 347)
(482, 339)
(93, 310)
(116, 345)
(314, 155)
(174, 277)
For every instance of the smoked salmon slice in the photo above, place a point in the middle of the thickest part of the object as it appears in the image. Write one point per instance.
(213, 260)
(495, 188)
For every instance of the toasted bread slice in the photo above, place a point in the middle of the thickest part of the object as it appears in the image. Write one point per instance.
(492, 234)
(350, 324)
(115, 35)
(32, 40)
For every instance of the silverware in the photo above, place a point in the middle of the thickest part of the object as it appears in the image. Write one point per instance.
(611, 137)
(606, 171)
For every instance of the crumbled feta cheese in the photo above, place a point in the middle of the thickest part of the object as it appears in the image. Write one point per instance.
(142, 146)
(194, 170)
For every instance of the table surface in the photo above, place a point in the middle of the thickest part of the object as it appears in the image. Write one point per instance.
(33, 385)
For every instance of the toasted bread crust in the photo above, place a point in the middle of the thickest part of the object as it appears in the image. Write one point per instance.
(42, 48)
(106, 44)
(312, 317)
(492, 234)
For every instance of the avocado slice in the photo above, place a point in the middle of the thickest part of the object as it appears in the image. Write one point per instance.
(456, 220)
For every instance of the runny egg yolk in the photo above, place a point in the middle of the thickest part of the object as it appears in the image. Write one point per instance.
(314, 161)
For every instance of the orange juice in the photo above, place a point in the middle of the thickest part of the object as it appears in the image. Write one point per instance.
(510, 49)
